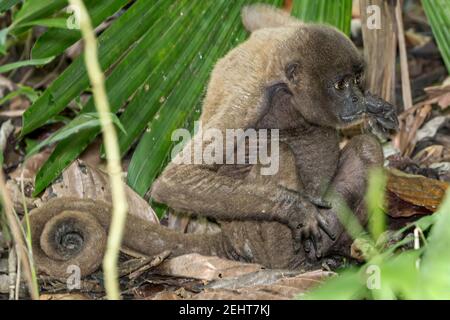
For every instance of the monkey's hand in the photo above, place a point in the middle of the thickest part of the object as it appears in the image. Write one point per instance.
(382, 114)
(306, 223)
(320, 202)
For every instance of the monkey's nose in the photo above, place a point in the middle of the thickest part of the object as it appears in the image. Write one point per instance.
(355, 99)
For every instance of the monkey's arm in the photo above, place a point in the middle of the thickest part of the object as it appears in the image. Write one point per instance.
(316, 154)
(200, 190)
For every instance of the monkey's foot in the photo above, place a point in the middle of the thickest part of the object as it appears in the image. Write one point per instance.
(309, 231)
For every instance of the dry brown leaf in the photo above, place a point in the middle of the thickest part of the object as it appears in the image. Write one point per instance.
(269, 277)
(205, 267)
(290, 287)
(80, 180)
(15, 191)
(165, 295)
(6, 129)
(429, 155)
(306, 281)
(416, 190)
(31, 166)
(27, 171)
(287, 292)
(444, 101)
(416, 39)
(64, 296)
(284, 288)
(91, 156)
(440, 95)
(261, 277)
(178, 294)
(19, 103)
(223, 294)
(239, 280)
(399, 208)
(410, 121)
(5, 86)
(430, 128)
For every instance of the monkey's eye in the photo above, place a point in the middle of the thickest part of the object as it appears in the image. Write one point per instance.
(341, 85)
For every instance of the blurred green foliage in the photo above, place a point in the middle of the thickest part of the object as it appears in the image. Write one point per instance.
(394, 272)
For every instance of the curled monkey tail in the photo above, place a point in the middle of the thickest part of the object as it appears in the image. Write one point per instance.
(69, 232)
(259, 16)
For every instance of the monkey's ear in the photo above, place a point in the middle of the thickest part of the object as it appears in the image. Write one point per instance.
(277, 93)
(292, 71)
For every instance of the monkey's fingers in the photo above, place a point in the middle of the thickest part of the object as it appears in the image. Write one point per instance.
(320, 202)
(326, 228)
(298, 234)
(388, 121)
(375, 105)
(382, 112)
(307, 245)
(305, 233)
(316, 239)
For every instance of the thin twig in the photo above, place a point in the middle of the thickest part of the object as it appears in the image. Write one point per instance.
(119, 201)
(18, 275)
(406, 85)
(26, 217)
(18, 237)
(12, 272)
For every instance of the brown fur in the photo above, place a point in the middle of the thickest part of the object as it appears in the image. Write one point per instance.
(282, 77)
(268, 243)
(89, 220)
(253, 87)
(261, 16)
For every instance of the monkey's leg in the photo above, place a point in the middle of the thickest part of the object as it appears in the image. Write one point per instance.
(350, 183)
(72, 232)
(268, 243)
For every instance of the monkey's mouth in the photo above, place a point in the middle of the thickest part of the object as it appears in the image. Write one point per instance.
(352, 117)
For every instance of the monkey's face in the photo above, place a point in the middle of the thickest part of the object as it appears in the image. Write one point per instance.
(344, 98)
(325, 77)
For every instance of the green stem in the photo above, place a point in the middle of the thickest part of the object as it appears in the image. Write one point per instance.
(119, 202)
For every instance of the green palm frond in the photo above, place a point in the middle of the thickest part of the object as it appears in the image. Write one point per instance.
(438, 13)
(337, 13)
